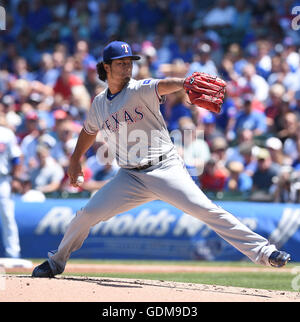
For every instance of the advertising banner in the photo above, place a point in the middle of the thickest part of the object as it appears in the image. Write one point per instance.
(154, 230)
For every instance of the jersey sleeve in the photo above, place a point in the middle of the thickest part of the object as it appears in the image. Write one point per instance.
(149, 93)
(90, 125)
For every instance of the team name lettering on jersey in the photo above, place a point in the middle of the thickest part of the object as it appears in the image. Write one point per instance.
(115, 120)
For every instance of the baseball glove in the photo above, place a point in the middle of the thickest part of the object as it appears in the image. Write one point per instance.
(205, 91)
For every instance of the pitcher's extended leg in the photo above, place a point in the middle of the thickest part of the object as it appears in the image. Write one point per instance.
(173, 184)
(119, 195)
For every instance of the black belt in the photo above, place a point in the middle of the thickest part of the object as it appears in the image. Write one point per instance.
(151, 163)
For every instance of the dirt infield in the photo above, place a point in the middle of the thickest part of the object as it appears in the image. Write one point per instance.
(96, 289)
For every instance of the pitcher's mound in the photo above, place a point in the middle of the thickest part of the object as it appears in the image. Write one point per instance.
(24, 288)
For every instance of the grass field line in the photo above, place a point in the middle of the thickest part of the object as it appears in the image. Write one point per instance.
(155, 268)
(245, 263)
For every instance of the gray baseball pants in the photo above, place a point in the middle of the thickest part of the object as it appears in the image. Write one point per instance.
(168, 181)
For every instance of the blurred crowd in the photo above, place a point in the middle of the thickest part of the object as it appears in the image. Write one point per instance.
(48, 79)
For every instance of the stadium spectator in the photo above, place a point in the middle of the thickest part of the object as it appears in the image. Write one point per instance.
(192, 148)
(47, 74)
(196, 151)
(102, 165)
(210, 129)
(163, 53)
(225, 120)
(59, 115)
(30, 142)
(274, 146)
(274, 107)
(287, 187)
(218, 149)
(245, 136)
(221, 16)
(213, 177)
(263, 59)
(178, 68)
(291, 53)
(238, 181)
(174, 109)
(202, 61)
(80, 98)
(65, 132)
(91, 81)
(233, 62)
(48, 175)
(251, 82)
(289, 135)
(276, 68)
(67, 80)
(250, 119)
(21, 69)
(29, 125)
(26, 192)
(150, 59)
(249, 158)
(288, 78)
(82, 53)
(59, 57)
(263, 177)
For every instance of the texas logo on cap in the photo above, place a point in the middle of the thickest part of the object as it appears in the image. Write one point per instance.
(117, 50)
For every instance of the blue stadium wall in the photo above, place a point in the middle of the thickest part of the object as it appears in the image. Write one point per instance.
(154, 230)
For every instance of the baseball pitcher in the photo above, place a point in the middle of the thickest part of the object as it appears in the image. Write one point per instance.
(125, 113)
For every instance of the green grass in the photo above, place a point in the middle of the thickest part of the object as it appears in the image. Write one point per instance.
(269, 281)
(276, 280)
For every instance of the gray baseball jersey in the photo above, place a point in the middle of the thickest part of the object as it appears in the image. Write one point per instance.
(131, 123)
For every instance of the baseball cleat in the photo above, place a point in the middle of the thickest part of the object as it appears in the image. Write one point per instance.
(43, 270)
(279, 258)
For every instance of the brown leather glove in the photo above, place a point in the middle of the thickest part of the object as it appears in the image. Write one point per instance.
(205, 91)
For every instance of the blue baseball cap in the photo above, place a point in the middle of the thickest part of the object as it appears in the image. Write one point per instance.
(118, 49)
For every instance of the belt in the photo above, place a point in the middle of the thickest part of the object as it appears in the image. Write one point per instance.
(151, 163)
